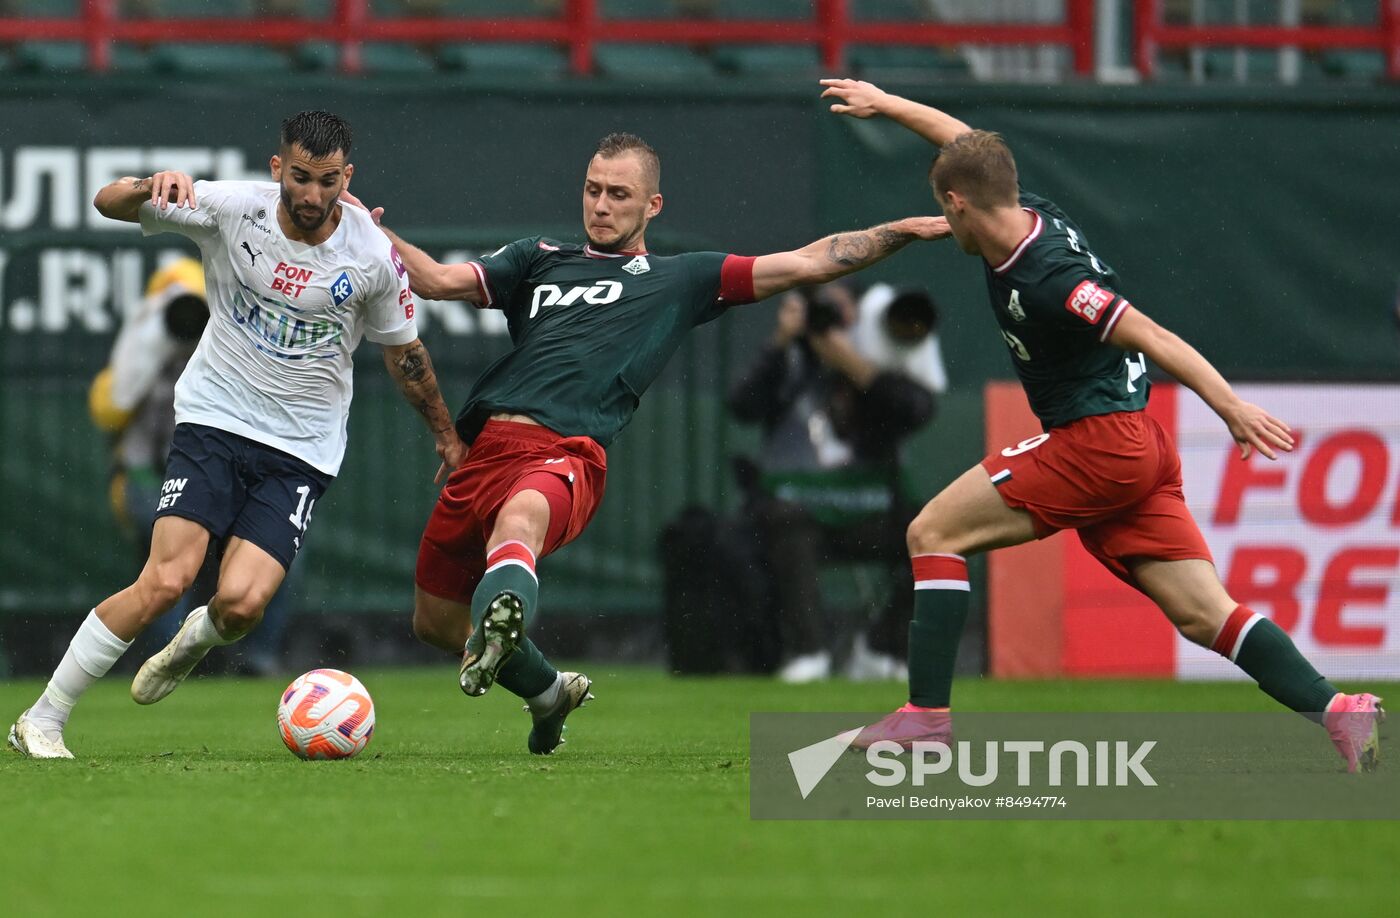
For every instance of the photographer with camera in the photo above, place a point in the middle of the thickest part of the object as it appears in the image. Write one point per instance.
(837, 391)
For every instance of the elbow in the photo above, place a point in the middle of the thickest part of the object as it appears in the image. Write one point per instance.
(103, 202)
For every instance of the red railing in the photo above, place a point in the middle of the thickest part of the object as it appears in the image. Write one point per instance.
(1153, 34)
(579, 29)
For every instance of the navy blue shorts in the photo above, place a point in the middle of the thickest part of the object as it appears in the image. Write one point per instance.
(234, 486)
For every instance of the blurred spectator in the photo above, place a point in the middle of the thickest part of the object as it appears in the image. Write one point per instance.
(133, 400)
(838, 390)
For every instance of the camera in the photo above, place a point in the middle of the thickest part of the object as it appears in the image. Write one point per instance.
(822, 314)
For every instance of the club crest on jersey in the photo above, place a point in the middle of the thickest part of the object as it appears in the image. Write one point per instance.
(637, 266)
(1014, 307)
(341, 290)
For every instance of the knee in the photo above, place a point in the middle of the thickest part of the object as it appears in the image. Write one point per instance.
(239, 607)
(435, 632)
(926, 536)
(163, 585)
(1199, 626)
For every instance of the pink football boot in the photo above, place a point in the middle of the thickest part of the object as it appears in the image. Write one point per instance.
(1353, 723)
(908, 725)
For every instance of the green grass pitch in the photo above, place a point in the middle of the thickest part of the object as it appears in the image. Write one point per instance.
(193, 807)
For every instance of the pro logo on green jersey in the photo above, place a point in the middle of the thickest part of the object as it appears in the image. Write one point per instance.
(599, 294)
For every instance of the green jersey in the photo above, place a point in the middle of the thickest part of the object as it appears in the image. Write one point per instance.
(591, 331)
(1057, 303)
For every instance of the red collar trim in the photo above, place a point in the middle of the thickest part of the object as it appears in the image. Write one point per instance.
(1030, 237)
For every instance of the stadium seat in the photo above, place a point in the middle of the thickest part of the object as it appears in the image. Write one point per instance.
(492, 57)
(905, 63)
(767, 60)
(661, 62)
(67, 56)
(1353, 66)
(221, 59)
(395, 58)
(471, 9)
(317, 55)
(701, 9)
(374, 58)
(889, 10)
(763, 9)
(49, 9)
(204, 9)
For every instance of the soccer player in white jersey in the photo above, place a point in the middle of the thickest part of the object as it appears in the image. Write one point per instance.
(294, 281)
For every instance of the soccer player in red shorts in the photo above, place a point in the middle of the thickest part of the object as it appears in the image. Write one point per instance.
(1103, 467)
(592, 326)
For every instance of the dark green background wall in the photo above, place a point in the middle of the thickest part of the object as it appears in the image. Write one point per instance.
(1262, 227)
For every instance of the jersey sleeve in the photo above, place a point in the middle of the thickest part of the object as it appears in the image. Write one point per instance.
(1075, 296)
(389, 308)
(501, 273)
(199, 224)
(717, 282)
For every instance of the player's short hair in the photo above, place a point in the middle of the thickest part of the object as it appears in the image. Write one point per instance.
(618, 143)
(979, 166)
(318, 133)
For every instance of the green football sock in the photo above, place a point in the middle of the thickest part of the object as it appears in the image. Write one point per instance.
(941, 600)
(526, 673)
(1264, 651)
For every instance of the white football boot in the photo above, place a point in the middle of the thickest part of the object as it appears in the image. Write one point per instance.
(547, 733)
(28, 740)
(163, 672)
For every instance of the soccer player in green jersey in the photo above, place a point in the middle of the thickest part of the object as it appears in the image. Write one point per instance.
(592, 326)
(1103, 467)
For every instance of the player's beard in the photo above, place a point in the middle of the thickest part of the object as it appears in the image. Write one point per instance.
(620, 244)
(306, 219)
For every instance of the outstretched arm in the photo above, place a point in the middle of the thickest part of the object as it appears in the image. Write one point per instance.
(427, 277)
(412, 369)
(122, 199)
(838, 255)
(1251, 426)
(860, 99)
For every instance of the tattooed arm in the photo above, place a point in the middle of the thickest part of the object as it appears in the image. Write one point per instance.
(412, 368)
(122, 199)
(830, 258)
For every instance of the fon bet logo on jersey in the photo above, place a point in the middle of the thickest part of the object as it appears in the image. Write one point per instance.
(1089, 301)
(170, 492)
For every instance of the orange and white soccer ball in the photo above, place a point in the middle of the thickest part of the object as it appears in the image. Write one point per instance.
(325, 714)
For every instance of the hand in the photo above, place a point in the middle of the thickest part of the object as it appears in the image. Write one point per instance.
(856, 98)
(172, 188)
(347, 198)
(930, 229)
(1254, 429)
(453, 452)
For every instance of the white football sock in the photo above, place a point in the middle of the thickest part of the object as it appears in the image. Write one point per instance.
(545, 701)
(90, 655)
(202, 633)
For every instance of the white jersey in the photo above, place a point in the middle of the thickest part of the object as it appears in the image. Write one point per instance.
(284, 317)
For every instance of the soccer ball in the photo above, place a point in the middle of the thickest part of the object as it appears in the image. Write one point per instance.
(325, 714)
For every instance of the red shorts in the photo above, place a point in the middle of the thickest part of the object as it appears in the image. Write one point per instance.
(1114, 478)
(506, 458)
